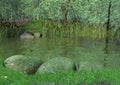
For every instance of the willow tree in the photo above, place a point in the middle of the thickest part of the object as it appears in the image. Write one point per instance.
(32, 8)
(49, 9)
(17, 7)
(4, 11)
(91, 12)
(115, 17)
(12, 9)
(88, 11)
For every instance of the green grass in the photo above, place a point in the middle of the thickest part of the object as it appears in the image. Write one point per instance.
(75, 29)
(54, 28)
(10, 77)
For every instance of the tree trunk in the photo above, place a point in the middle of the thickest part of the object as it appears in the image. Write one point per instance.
(65, 17)
(108, 29)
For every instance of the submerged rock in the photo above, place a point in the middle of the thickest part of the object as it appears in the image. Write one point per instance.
(30, 35)
(37, 35)
(56, 64)
(27, 35)
(22, 63)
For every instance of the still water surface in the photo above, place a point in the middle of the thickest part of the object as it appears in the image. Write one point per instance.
(78, 49)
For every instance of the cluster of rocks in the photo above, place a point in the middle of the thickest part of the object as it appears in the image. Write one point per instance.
(31, 65)
(30, 35)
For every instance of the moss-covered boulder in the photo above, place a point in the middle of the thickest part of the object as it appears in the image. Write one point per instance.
(56, 64)
(22, 63)
(89, 66)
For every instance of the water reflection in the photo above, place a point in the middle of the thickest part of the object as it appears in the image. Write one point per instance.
(78, 49)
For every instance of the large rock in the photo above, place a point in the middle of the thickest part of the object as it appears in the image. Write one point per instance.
(27, 35)
(21, 63)
(56, 64)
(30, 35)
(37, 35)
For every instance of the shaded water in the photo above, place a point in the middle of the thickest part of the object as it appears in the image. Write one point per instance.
(78, 49)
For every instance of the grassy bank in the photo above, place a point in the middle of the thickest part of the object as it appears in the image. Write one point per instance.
(75, 29)
(105, 77)
(54, 28)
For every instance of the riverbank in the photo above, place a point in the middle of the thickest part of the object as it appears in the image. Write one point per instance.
(55, 28)
(105, 77)
(75, 29)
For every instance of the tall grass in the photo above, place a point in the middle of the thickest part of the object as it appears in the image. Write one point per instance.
(3, 33)
(10, 31)
(55, 28)
(76, 29)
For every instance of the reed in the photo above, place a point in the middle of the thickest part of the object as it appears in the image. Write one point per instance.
(76, 29)
(10, 31)
(54, 28)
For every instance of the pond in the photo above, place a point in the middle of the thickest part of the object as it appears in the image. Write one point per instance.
(78, 49)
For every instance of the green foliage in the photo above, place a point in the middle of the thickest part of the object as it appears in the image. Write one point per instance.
(11, 9)
(89, 12)
(93, 11)
(115, 14)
